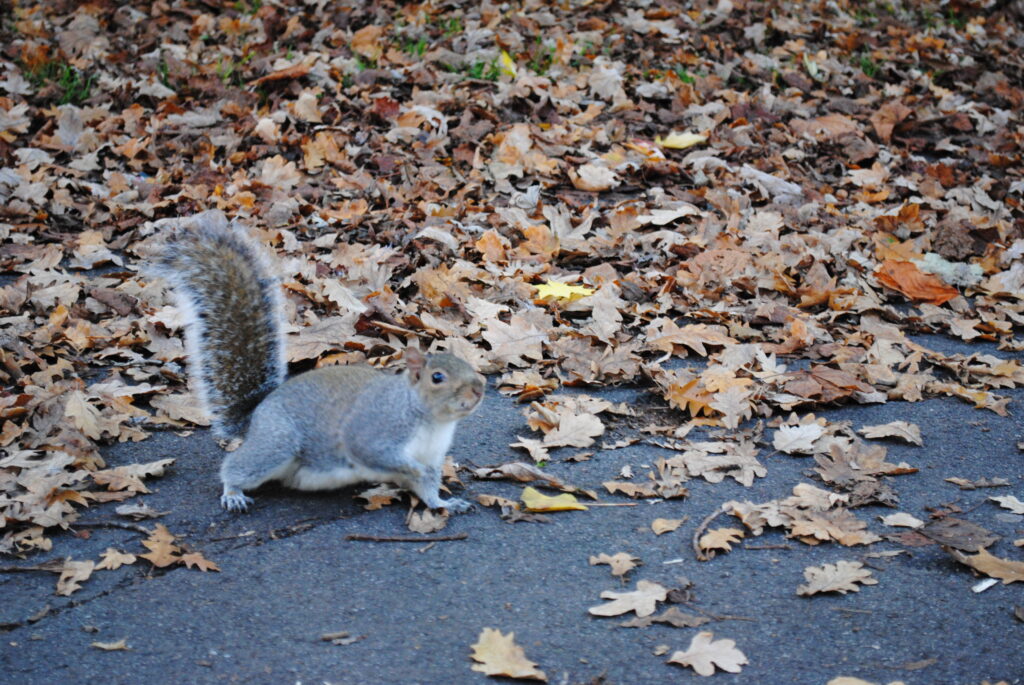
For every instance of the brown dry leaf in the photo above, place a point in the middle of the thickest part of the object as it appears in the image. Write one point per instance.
(72, 575)
(163, 552)
(908, 432)
(662, 526)
(621, 562)
(958, 534)
(197, 560)
(426, 521)
(113, 559)
(366, 41)
(915, 284)
(523, 473)
(841, 577)
(380, 496)
(885, 118)
(643, 600)
(119, 646)
(705, 654)
(1005, 570)
(721, 539)
(130, 477)
(499, 655)
(139, 511)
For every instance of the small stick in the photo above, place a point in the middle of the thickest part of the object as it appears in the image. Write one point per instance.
(778, 546)
(112, 524)
(700, 531)
(405, 538)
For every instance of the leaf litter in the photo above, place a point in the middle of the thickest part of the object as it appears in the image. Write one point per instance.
(579, 211)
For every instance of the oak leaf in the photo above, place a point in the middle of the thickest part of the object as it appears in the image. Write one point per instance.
(705, 654)
(499, 655)
(908, 432)
(842, 577)
(72, 575)
(162, 550)
(643, 600)
(113, 559)
(198, 561)
(719, 539)
(662, 526)
(621, 563)
(1009, 502)
(906, 278)
(1006, 570)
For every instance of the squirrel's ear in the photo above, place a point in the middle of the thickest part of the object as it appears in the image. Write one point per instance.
(414, 362)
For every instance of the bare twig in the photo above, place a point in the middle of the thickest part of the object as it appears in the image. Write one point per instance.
(112, 524)
(700, 531)
(405, 538)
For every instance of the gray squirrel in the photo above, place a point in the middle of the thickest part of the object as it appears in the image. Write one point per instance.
(318, 430)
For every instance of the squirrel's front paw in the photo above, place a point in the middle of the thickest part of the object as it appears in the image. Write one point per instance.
(456, 505)
(234, 500)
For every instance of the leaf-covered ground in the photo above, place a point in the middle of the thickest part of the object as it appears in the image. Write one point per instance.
(745, 207)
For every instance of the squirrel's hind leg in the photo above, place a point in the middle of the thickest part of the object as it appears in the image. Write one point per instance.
(268, 453)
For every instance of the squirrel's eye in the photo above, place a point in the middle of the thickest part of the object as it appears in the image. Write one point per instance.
(438, 377)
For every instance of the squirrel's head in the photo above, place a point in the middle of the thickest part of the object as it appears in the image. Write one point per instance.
(448, 386)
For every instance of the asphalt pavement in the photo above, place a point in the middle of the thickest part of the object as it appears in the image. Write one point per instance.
(289, 576)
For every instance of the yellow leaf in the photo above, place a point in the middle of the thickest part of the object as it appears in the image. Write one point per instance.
(506, 65)
(680, 141)
(562, 291)
(537, 501)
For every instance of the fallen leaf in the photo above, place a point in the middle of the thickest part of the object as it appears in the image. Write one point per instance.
(842, 577)
(1009, 502)
(661, 526)
(562, 291)
(793, 439)
(705, 654)
(72, 575)
(499, 655)
(197, 560)
(902, 520)
(1005, 570)
(113, 559)
(671, 616)
(906, 278)
(119, 646)
(643, 600)
(720, 539)
(621, 563)
(163, 552)
(680, 141)
(958, 533)
(908, 432)
(534, 500)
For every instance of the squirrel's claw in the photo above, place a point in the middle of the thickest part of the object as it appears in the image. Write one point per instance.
(235, 501)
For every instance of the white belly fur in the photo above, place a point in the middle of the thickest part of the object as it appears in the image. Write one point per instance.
(306, 478)
(430, 443)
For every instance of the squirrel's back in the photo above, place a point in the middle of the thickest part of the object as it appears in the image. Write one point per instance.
(231, 301)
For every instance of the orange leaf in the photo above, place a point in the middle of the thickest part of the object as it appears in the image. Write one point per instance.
(915, 284)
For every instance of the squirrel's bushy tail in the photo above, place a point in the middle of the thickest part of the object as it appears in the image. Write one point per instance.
(231, 300)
